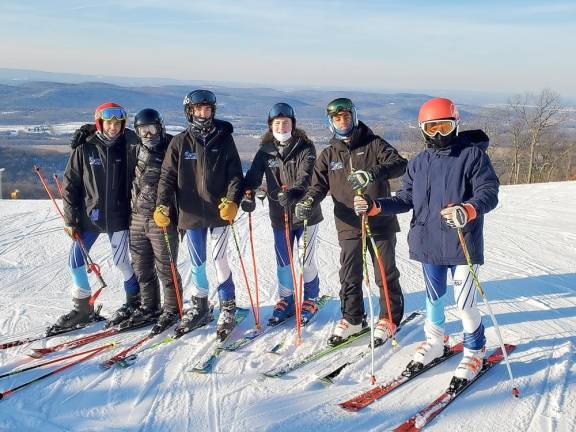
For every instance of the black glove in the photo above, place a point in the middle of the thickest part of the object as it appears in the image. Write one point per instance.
(360, 179)
(82, 134)
(303, 209)
(289, 196)
(248, 204)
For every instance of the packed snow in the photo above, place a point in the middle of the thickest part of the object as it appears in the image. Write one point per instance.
(529, 278)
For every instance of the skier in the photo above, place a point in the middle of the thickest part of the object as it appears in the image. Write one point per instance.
(286, 156)
(148, 248)
(203, 168)
(357, 160)
(95, 194)
(449, 185)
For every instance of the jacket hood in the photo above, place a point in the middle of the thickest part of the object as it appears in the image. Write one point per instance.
(476, 137)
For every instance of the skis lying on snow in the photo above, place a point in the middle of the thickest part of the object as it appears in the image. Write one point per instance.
(336, 366)
(206, 363)
(125, 359)
(364, 399)
(89, 355)
(428, 413)
(294, 364)
(81, 341)
(49, 333)
(255, 334)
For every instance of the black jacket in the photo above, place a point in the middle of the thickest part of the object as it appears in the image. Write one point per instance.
(96, 184)
(293, 168)
(146, 177)
(365, 151)
(201, 171)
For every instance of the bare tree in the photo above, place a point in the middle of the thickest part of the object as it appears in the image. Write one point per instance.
(536, 114)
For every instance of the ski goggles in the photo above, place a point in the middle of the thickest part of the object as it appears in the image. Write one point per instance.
(151, 129)
(112, 113)
(443, 127)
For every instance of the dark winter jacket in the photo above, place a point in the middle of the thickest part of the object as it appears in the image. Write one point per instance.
(201, 171)
(96, 184)
(147, 176)
(434, 179)
(365, 151)
(291, 167)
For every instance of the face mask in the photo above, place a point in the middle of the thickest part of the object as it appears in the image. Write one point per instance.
(282, 137)
(440, 142)
(151, 141)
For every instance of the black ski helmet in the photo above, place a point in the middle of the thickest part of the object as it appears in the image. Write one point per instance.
(281, 109)
(148, 116)
(198, 97)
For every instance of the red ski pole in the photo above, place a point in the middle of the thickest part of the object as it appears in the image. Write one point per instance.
(92, 266)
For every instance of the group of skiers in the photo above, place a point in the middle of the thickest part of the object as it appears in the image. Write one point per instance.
(144, 188)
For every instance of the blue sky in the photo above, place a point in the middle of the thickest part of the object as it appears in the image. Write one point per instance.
(486, 46)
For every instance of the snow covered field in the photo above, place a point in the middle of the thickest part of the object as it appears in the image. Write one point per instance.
(529, 277)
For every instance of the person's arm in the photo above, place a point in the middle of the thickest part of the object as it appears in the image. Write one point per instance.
(485, 185)
(255, 173)
(319, 185)
(73, 189)
(402, 201)
(168, 181)
(305, 169)
(390, 163)
(234, 174)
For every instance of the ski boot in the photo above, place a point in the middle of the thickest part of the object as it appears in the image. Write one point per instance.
(197, 316)
(125, 311)
(283, 310)
(309, 310)
(383, 330)
(345, 330)
(471, 364)
(140, 318)
(226, 320)
(430, 349)
(166, 319)
(80, 316)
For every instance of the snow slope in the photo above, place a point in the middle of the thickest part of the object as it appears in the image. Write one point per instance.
(529, 277)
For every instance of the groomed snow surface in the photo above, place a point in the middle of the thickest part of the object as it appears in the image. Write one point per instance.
(529, 278)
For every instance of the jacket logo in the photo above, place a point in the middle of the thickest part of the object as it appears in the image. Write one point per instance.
(336, 165)
(188, 155)
(94, 160)
(273, 163)
(360, 153)
(311, 157)
(215, 150)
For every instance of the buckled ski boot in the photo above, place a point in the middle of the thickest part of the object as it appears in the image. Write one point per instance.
(432, 348)
(80, 316)
(344, 330)
(125, 311)
(283, 310)
(197, 316)
(140, 318)
(471, 364)
(227, 319)
(165, 320)
(309, 310)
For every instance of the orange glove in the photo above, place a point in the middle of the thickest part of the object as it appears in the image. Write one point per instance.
(228, 209)
(458, 215)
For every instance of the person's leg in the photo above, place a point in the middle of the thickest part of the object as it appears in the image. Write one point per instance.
(285, 307)
(142, 252)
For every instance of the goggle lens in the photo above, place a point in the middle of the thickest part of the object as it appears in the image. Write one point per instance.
(443, 127)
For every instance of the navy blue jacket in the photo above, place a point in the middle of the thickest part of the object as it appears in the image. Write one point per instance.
(434, 179)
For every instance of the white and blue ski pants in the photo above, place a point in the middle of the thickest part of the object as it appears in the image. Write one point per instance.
(311, 281)
(77, 266)
(435, 277)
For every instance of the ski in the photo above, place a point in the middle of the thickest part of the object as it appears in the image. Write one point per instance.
(49, 332)
(56, 360)
(255, 334)
(428, 413)
(81, 341)
(88, 356)
(121, 356)
(206, 364)
(362, 400)
(292, 365)
(328, 374)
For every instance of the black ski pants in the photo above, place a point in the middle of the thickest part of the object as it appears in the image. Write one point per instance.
(351, 276)
(151, 261)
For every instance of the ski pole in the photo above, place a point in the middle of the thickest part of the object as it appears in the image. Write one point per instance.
(173, 271)
(54, 372)
(515, 390)
(250, 235)
(56, 360)
(304, 248)
(369, 289)
(58, 184)
(236, 242)
(92, 266)
(292, 270)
